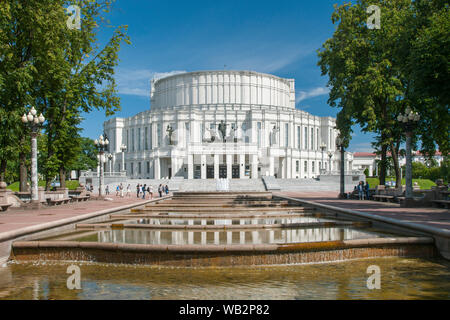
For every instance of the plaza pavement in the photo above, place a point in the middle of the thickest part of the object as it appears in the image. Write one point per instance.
(433, 217)
(15, 220)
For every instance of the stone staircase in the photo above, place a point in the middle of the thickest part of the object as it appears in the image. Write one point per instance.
(199, 185)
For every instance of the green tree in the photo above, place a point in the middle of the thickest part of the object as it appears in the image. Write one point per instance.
(87, 158)
(364, 79)
(62, 72)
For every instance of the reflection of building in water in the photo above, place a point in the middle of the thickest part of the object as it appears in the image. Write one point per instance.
(222, 124)
(259, 236)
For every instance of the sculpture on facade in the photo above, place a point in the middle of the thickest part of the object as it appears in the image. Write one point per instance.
(170, 132)
(223, 130)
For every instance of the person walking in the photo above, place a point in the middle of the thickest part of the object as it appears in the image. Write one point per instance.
(150, 190)
(121, 190)
(160, 190)
(361, 191)
(138, 190)
(144, 189)
(129, 191)
(167, 189)
(117, 190)
(107, 190)
(367, 190)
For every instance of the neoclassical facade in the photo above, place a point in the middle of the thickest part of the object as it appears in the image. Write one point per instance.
(221, 124)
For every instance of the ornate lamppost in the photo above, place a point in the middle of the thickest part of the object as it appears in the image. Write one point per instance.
(102, 145)
(110, 157)
(330, 155)
(323, 146)
(123, 148)
(340, 145)
(34, 123)
(408, 121)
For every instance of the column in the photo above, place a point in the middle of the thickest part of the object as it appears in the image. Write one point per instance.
(271, 166)
(242, 166)
(254, 158)
(203, 168)
(229, 164)
(174, 166)
(288, 167)
(216, 166)
(190, 166)
(157, 167)
(283, 168)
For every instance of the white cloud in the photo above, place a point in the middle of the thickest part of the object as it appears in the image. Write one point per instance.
(361, 147)
(304, 95)
(137, 82)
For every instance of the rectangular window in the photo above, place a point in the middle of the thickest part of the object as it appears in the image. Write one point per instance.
(151, 137)
(286, 134)
(132, 168)
(305, 137)
(312, 139)
(187, 132)
(139, 168)
(132, 140)
(148, 166)
(159, 133)
(297, 166)
(258, 125)
(306, 167)
(128, 142)
(299, 141)
(313, 167)
(331, 144)
(317, 139)
(146, 138)
(139, 139)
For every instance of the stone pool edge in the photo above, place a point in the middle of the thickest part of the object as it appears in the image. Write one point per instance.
(441, 236)
(7, 238)
(223, 255)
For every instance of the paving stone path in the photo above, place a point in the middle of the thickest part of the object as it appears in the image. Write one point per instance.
(434, 217)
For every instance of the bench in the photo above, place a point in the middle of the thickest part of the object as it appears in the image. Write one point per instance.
(56, 202)
(5, 206)
(80, 198)
(382, 198)
(438, 203)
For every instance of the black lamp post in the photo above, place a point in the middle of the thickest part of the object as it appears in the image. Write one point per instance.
(340, 145)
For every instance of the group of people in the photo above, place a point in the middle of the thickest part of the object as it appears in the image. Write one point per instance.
(363, 190)
(142, 190)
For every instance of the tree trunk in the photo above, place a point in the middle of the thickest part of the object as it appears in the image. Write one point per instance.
(62, 177)
(394, 153)
(3, 164)
(383, 163)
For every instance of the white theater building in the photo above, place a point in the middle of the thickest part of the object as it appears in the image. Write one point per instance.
(222, 124)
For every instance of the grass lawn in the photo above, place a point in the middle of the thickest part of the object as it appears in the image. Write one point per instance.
(72, 185)
(425, 184)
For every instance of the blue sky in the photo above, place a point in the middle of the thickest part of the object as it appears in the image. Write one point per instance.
(278, 37)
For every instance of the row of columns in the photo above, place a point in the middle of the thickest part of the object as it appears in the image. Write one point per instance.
(229, 162)
(256, 236)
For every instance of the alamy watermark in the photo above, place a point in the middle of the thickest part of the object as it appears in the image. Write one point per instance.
(74, 19)
(374, 20)
(74, 280)
(374, 280)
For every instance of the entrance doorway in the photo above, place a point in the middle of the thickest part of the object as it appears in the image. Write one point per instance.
(235, 171)
(222, 171)
(209, 172)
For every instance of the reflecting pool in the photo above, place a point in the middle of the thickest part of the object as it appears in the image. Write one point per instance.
(400, 279)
